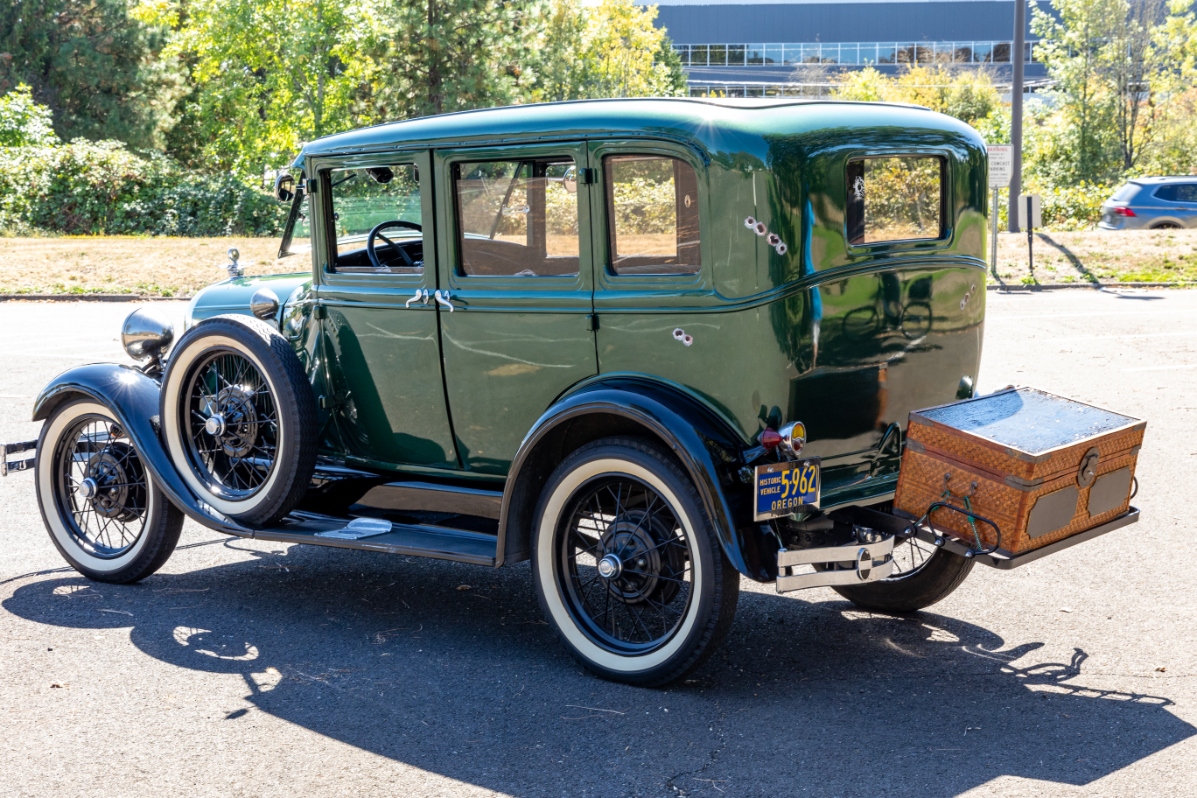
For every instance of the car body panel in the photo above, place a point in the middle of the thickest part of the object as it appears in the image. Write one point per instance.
(846, 338)
(511, 345)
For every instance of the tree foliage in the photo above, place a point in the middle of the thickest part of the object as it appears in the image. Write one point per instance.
(1118, 67)
(101, 71)
(23, 122)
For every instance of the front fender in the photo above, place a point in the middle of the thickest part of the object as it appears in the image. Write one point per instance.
(132, 396)
(708, 449)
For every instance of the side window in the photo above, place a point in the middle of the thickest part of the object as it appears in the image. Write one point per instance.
(364, 198)
(895, 199)
(517, 218)
(1177, 192)
(652, 212)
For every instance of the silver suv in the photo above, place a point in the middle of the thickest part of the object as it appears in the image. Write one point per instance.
(1151, 203)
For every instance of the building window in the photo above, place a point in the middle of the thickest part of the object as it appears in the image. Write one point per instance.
(897, 198)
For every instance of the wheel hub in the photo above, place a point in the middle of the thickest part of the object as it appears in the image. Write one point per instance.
(610, 567)
(234, 421)
(86, 489)
(632, 559)
(106, 486)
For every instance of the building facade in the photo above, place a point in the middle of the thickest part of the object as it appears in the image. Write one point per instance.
(763, 48)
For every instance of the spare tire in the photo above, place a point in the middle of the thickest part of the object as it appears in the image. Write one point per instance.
(239, 418)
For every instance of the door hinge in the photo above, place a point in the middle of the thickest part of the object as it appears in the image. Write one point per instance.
(592, 322)
(587, 176)
(336, 400)
(320, 312)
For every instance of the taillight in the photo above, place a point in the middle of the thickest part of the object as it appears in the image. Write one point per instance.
(1121, 210)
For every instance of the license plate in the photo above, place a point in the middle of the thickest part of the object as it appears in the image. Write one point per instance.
(784, 488)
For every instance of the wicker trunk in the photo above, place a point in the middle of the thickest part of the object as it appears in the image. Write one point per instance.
(1042, 467)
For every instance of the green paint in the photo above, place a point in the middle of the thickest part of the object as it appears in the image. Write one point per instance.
(847, 339)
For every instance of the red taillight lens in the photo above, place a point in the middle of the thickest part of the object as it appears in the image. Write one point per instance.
(770, 439)
(1123, 211)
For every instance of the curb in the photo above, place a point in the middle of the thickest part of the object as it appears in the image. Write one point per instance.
(1020, 288)
(88, 298)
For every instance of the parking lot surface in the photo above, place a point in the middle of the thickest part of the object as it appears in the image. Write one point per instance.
(258, 669)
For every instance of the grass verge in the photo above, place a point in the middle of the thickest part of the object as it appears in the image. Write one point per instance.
(178, 267)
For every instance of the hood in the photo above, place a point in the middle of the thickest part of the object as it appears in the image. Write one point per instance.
(233, 295)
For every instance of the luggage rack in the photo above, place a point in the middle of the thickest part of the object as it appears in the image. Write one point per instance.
(1004, 560)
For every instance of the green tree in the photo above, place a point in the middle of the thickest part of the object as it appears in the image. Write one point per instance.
(24, 123)
(609, 50)
(436, 56)
(270, 74)
(100, 71)
(1107, 63)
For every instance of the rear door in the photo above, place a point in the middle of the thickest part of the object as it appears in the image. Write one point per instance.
(516, 290)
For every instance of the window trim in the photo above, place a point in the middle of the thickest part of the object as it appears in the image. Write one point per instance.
(608, 197)
(605, 276)
(325, 268)
(447, 235)
(457, 233)
(947, 230)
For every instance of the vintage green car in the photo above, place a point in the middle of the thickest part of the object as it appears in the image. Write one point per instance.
(651, 345)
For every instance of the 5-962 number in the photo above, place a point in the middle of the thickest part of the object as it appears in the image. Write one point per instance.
(783, 488)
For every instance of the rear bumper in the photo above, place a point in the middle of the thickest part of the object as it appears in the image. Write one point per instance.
(16, 457)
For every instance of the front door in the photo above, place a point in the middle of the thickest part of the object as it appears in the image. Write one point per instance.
(387, 394)
(516, 288)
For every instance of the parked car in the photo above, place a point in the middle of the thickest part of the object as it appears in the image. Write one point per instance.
(1156, 203)
(651, 345)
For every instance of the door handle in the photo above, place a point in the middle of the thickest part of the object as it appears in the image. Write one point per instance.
(442, 299)
(421, 295)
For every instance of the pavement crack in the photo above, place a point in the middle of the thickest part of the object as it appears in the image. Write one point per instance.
(695, 774)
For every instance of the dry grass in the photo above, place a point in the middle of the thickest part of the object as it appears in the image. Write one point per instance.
(1150, 256)
(129, 265)
(181, 266)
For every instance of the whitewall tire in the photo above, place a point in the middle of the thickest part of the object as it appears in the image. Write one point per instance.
(239, 418)
(100, 505)
(626, 564)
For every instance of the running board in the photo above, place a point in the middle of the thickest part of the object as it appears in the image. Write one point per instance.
(416, 540)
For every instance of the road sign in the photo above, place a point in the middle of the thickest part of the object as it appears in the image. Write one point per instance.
(1001, 165)
(1029, 211)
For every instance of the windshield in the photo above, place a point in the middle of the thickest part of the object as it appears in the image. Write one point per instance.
(297, 232)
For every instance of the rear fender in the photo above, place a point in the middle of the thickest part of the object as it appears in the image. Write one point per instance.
(132, 396)
(705, 445)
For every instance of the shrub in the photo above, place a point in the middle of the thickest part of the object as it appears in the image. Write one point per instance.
(1074, 207)
(101, 188)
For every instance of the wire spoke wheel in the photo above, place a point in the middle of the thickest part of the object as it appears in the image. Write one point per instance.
(624, 565)
(232, 424)
(910, 557)
(101, 487)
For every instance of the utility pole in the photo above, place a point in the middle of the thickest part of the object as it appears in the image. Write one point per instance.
(1017, 56)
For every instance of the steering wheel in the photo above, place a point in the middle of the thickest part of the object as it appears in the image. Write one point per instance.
(376, 233)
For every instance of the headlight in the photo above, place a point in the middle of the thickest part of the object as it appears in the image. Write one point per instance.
(147, 333)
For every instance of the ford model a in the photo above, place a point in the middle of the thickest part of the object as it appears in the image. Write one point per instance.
(650, 345)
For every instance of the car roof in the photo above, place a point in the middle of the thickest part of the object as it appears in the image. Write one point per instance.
(710, 121)
(1163, 179)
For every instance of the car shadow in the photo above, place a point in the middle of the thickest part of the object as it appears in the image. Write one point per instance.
(450, 669)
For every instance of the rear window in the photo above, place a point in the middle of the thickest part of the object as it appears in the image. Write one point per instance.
(895, 198)
(1177, 192)
(1124, 194)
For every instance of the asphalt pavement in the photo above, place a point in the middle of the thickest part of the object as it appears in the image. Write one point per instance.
(259, 669)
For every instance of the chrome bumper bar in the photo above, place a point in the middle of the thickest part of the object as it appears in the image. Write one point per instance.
(854, 564)
(23, 464)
